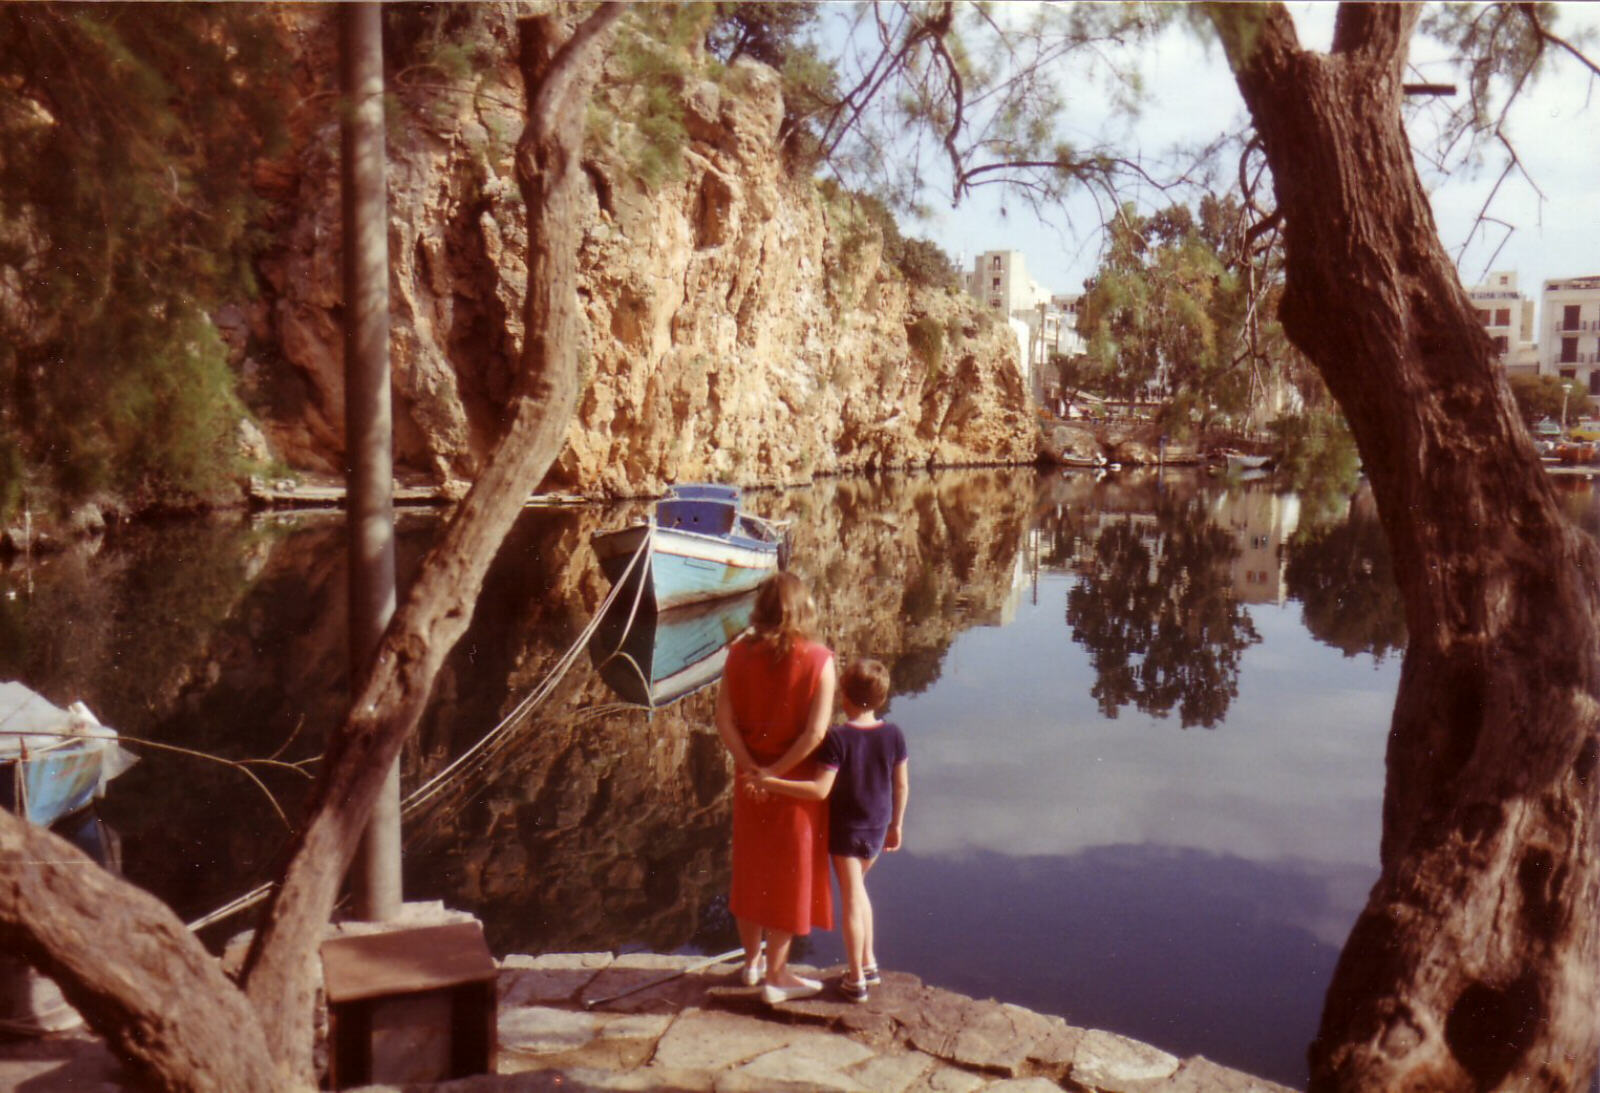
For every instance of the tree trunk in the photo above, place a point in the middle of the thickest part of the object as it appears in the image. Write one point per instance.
(280, 977)
(129, 966)
(1475, 963)
(147, 985)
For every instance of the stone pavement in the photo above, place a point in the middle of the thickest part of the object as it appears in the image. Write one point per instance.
(695, 1029)
(702, 1032)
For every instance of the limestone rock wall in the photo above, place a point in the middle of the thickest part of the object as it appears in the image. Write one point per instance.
(740, 327)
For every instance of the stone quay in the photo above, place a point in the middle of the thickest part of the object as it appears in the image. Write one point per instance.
(645, 1021)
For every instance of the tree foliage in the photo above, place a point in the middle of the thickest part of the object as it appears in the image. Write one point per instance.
(1540, 397)
(1162, 315)
(126, 135)
(781, 35)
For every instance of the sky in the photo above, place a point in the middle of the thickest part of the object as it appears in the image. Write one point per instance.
(1192, 98)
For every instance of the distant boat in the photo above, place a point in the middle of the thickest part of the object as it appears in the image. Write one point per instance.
(53, 762)
(1243, 461)
(698, 545)
(654, 659)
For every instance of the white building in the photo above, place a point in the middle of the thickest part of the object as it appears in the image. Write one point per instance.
(1507, 317)
(1569, 332)
(999, 280)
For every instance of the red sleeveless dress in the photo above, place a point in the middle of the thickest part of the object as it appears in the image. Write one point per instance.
(780, 844)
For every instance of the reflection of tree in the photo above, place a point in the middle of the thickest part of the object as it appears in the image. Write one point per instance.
(1342, 577)
(1155, 608)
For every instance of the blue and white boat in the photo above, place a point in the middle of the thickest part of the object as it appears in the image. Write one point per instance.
(698, 545)
(53, 762)
(654, 659)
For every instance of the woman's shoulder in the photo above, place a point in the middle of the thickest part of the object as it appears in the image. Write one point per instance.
(814, 651)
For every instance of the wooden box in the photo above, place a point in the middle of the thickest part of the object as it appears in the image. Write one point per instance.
(409, 1005)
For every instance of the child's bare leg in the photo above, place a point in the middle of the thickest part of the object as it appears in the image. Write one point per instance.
(857, 911)
(869, 956)
(750, 938)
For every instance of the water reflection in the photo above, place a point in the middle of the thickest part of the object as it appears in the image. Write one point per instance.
(1341, 574)
(654, 658)
(1019, 612)
(1155, 608)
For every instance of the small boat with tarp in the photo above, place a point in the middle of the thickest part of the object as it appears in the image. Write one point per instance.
(53, 761)
(697, 545)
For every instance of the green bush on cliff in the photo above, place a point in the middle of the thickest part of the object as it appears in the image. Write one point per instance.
(926, 340)
(125, 214)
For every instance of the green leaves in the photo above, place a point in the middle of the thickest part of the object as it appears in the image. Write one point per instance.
(127, 215)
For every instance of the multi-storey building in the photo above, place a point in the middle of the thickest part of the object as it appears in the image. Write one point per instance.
(1507, 317)
(1569, 332)
(999, 279)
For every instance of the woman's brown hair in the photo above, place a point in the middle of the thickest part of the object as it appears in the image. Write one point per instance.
(783, 614)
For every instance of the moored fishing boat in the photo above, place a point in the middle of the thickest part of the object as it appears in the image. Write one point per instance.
(697, 545)
(53, 762)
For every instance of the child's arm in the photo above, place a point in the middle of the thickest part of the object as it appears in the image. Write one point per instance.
(814, 789)
(902, 794)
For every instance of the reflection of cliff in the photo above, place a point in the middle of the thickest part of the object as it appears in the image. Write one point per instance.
(901, 566)
(176, 634)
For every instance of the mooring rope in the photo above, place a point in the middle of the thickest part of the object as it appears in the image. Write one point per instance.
(483, 748)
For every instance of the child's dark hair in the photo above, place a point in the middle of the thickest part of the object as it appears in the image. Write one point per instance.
(865, 683)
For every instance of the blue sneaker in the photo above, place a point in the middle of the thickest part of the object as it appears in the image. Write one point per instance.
(853, 990)
(869, 975)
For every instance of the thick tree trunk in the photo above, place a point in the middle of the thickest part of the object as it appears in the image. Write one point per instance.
(129, 966)
(1476, 962)
(146, 984)
(279, 975)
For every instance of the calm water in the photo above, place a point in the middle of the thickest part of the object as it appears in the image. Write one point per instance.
(1146, 717)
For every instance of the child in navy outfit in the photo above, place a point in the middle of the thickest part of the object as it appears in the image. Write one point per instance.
(864, 779)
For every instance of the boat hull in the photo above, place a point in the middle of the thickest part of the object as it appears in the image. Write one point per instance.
(682, 567)
(52, 784)
(53, 762)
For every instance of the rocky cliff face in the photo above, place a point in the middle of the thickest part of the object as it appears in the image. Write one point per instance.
(740, 326)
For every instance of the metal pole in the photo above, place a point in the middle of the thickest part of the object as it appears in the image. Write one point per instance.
(369, 437)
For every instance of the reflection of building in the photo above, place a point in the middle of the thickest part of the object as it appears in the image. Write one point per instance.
(1259, 522)
(1569, 332)
(1507, 317)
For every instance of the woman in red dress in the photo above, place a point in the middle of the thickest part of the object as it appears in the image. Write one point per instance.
(772, 712)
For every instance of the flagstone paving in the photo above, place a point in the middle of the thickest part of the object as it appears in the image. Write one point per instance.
(565, 1024)
(667, 1024)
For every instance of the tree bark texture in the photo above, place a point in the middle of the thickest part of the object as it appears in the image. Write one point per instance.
(129, 966)
(122, 957)
(280, 976)
(1474, 964)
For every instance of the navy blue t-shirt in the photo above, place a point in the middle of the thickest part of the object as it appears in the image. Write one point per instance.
(862, 799)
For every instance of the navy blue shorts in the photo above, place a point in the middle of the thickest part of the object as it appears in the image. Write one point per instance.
(856, 844)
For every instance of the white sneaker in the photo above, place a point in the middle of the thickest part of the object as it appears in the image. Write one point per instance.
(805, 988)
(751, 975)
